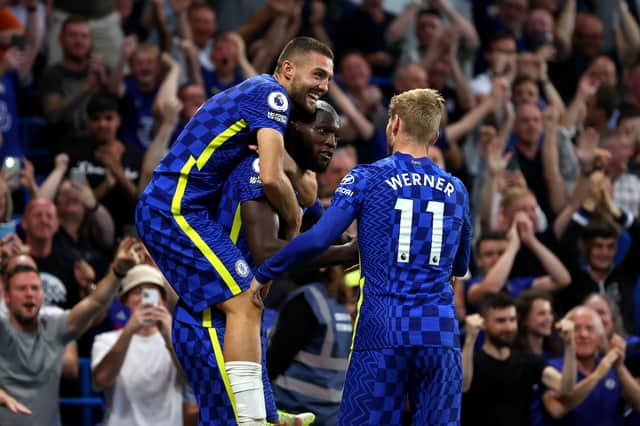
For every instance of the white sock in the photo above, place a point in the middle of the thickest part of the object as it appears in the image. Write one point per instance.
(246, 383)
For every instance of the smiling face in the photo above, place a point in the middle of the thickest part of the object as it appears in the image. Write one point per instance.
(103, 126)
(539, 322)
(601, 253)
(40, 221)
(355, 71)
(68, 202)
(309, 80)
(202, 21)
(587, 331)
(598, 304)
(145, 66)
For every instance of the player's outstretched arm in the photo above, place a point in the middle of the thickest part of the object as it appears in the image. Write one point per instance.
(305, 246)
(260, 224)
(275, 182)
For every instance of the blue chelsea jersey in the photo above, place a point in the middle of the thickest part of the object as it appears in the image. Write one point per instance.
(414, 231)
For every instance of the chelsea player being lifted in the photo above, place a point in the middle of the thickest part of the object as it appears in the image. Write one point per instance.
(175, 220)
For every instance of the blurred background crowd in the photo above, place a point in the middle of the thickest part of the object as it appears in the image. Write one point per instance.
(542, 124)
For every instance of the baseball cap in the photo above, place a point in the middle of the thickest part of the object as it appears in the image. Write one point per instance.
(141, 274)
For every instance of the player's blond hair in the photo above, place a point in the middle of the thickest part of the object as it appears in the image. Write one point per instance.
(420, 110)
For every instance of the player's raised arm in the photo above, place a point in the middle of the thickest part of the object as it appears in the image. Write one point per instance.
(276, 184)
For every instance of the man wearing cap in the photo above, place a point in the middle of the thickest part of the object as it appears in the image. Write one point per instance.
(135, 366)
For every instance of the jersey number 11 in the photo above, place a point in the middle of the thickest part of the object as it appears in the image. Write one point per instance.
(436, 208)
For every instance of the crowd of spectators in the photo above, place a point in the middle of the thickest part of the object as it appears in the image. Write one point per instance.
(542, 124)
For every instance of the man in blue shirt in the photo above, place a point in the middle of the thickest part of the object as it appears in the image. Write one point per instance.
(174, 218)
(414, 232)
(602, 381)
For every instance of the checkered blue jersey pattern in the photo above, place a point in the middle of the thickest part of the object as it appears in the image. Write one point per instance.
(214, 141)
(243, 185)
(414, 233)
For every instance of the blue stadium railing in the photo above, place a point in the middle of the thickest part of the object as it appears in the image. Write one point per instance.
(89, 401)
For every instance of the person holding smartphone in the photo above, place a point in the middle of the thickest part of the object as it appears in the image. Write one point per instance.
(135, 366)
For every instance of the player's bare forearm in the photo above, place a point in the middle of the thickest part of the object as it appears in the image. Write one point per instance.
(281, 196)
(307, 186)
(335, 255)
(275, 182)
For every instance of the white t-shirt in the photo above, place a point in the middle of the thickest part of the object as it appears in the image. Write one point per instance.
(147, 391)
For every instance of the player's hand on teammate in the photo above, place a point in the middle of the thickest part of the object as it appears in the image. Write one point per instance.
(473, 324)
(258, 292)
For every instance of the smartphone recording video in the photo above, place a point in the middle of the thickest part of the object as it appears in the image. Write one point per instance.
(150, 296)
(11, 170)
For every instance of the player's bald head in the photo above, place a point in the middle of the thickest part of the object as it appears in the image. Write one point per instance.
(297, 50)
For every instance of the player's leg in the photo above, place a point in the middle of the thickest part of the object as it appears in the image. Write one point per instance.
(207, 271)
(199, 352)
(269, 399)
(243, 356)
(436, 389)
(375, 388)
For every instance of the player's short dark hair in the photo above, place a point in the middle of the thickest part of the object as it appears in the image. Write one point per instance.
(102, 103)
(497, 300)
(300, 46)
